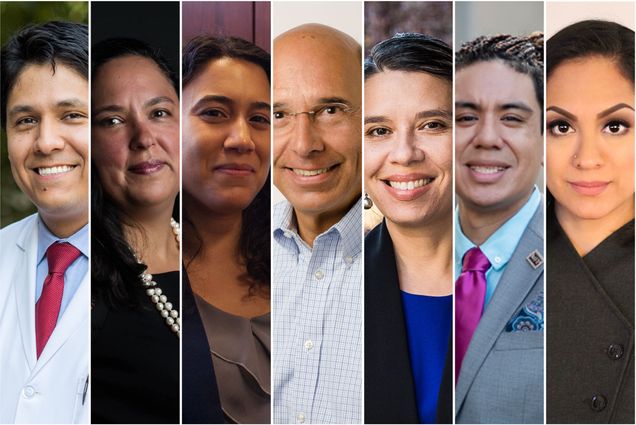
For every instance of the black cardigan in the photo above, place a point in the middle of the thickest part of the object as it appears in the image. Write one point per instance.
(389, 390)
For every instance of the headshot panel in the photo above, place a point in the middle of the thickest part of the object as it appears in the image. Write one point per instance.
(317, 222)
(135, 230)
(226, 212)
(590, 213)
(499, 291)
(408, 133)
(44, 293)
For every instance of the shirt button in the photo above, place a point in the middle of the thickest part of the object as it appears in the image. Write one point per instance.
(497, 259)
(615, 351)
(28, 391)
(309, 344)
(300, 418)
(348, 260)
(598, 402)
(319, 274)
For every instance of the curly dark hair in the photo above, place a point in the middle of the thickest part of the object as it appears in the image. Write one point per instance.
(115, 271)
(52, 42)
(523, 53)
(254, 242)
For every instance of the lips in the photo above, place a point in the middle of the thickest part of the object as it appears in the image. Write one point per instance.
(147, 167)
(235, 169)
(311, 172)
(407, 187)
(589, 188)
(486, 172)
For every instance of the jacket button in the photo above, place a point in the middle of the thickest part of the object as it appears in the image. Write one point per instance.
(28, 391)
(598, 402)
(615, 351)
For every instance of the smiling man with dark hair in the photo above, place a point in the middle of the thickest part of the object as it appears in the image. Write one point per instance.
(44, 292)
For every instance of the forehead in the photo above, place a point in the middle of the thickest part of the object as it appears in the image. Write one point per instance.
(38, 84)
(596, 82)
(233, 76)
(314, 67)
(118, 75)
(386, 90)
(494, 83)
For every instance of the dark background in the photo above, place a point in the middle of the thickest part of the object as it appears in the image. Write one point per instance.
(248, 20)
(14, 205)
(156, 23)
(384, 19)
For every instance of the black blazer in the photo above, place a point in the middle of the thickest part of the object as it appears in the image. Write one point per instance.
(201, 403)
(389, 390)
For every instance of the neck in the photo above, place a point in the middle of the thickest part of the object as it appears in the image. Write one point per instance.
(152, 239)
(478, 224)
(63, 227)
(424, 251)
(207, 235)
(586, 234)
(311, 225)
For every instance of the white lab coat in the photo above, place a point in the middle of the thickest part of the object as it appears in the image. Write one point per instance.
(51, 389)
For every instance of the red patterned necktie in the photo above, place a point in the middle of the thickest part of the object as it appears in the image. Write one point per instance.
(470, 292)
(59, 256)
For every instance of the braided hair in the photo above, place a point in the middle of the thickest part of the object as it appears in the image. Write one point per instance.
(523, 53)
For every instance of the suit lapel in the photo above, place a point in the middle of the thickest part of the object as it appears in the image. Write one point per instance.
(73, 320)
(25, 290)
(515, 284)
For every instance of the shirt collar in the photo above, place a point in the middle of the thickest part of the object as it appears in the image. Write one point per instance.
(78, 239)
(349, 228)
(500, 246)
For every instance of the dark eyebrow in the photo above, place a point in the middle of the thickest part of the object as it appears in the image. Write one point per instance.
(566, 114)
(157, 100)
(213, 98)
(467, 105)
(433, 113)
(260, 105)
(516, 105)
(375, 119)
(66, 103)
(108, 108)
(325, 100)
(614, 109)
(18, 109)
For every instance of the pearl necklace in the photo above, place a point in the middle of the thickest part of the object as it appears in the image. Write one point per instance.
(169, 314)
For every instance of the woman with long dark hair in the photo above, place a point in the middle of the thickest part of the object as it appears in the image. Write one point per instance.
(226, 203)
(590, 224)
(135, 235)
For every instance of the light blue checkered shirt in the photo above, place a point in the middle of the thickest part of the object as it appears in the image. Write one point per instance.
(317, 313)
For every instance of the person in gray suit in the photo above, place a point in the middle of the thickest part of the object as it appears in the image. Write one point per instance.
(499, 335)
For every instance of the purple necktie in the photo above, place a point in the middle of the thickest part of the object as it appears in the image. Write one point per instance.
(470, 291)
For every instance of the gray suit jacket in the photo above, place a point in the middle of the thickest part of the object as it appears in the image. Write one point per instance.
(501, 379)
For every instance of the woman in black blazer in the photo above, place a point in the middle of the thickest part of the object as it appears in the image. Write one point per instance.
(408, 257)
(590, 243)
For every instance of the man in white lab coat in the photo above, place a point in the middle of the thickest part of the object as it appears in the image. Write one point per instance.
(44, 284)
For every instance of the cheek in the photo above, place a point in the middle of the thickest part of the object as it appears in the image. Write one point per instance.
(18, 148)
(374, 157)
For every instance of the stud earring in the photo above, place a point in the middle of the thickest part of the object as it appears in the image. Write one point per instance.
(367, 202)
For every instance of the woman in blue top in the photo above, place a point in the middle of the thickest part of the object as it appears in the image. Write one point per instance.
(408, 263)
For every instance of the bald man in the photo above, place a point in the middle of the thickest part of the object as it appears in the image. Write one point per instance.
(318, 230)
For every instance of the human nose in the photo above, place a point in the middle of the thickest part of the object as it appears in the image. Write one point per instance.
(587, 154)
(406, 150)
(143, 136)
(239, 139)
(48, 138)
(487, 135)
(305, 137)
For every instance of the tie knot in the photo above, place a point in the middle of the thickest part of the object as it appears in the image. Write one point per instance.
(60, 256)
(475, 260)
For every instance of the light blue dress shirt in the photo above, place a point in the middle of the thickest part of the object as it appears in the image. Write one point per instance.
(75, 272)
(500, 245)
(317, 315)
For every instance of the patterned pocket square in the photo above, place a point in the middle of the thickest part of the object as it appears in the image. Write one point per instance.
(529, 318)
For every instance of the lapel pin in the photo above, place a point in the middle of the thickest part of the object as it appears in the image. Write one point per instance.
(535, 259)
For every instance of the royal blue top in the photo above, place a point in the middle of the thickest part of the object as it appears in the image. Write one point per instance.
(428, 327)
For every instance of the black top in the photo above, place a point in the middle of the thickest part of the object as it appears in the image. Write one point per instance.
(590, 328)
(389, 389)
(135, 360)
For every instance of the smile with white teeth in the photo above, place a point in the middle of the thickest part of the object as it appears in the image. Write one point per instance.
(47, 171)
(487, 169)
(410, 185)
(309, 173)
